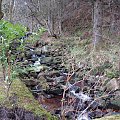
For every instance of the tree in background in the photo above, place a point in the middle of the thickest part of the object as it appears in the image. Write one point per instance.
(11, 8)
(97, 23)
(67, 16)
(1, 13)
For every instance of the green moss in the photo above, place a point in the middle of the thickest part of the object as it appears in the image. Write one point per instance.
(101, 69)
(25, 100)
(113, 117)
(98, 70)
(2, 91)
(113, 74)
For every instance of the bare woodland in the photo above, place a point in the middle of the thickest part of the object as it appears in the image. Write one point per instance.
(66, 57)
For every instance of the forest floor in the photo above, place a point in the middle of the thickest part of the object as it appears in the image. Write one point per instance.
(47, 80)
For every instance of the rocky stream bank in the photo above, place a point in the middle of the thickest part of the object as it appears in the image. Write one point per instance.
(74, 95)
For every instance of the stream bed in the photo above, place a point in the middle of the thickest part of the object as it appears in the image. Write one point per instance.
(63, 92)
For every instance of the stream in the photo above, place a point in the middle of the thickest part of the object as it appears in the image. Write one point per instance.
(45, 73)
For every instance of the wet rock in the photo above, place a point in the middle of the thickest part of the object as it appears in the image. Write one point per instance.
(54, 91)
(44, 49)
(34, 58)
(43, 83)
(113, 84)
(46, 60)
(59, 79)
(41, 74)
(84, 116)
(98, 113)
(116, 100)
(37, 89)
(35, 69)
(38, 51)
(21, 56)
(57, 60)
(53, 73)
(33, 74)
(25, 62)
(113, 87)
(30, 82)
(28, 54)
(40, 68)
(14, 45)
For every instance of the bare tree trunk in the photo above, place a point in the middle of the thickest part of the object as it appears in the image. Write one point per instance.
(11, 10)
(1, 13)
(113, 27)
(34, 16)
(31, 30)
(50, 23)
(60, 23)
(97, 27)
(60, 16)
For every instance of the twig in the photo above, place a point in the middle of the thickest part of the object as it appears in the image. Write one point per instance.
(92, 103)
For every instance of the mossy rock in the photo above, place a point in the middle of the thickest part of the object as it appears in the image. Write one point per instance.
(101, 69)
(113, 117)
(113, 74)
(25, 100)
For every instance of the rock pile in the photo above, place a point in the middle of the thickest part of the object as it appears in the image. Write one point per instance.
(43, 71)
